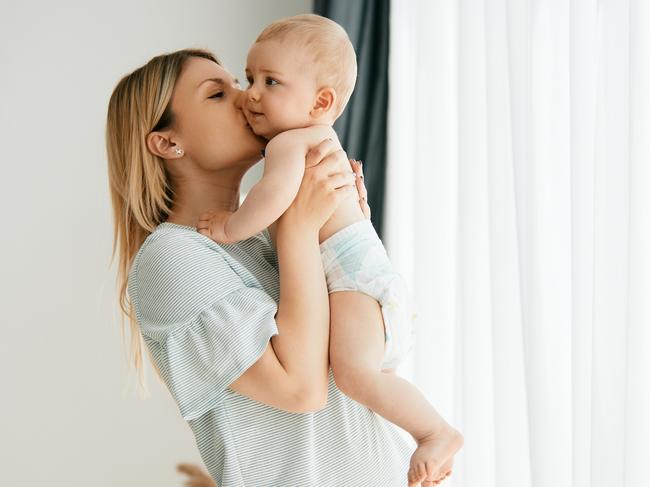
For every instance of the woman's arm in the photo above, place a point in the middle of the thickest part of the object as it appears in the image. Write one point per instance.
(292, 373)
(357, 167)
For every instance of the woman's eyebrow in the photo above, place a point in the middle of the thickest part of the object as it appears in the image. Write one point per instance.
(218, 81)
(214, 80)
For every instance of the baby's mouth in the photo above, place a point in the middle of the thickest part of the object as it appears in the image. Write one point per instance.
(252, 117)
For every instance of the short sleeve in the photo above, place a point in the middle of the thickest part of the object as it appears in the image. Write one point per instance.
(203, 325)
(200, 360)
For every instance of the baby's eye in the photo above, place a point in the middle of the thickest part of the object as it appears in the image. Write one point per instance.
(250, 81)
(217, 95)
(271, 81)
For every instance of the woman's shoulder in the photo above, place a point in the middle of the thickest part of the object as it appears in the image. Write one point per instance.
(178, 249)
(170, 243)
(171, 253)
(177, 268)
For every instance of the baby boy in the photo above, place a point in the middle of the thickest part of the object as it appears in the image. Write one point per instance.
(301, 72)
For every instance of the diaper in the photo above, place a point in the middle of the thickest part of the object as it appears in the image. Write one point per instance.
(355, 259)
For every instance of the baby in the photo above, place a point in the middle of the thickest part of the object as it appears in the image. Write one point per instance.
(301, 72)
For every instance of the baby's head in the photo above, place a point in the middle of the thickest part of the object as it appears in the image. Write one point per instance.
(301, 72)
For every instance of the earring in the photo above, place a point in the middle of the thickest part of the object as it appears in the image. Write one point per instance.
(179, 151)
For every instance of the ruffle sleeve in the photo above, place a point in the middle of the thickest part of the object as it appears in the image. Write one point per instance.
(202, 323)
(200, 360)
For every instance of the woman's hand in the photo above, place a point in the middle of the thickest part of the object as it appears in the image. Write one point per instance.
(357, 167)
(323, 187)
(197, 477)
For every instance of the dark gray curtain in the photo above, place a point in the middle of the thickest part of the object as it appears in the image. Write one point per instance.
(362, 127)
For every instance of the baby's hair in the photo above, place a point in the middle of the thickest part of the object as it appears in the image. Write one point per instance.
(334, 56)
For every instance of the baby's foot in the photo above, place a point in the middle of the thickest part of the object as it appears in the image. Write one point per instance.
(433, 458)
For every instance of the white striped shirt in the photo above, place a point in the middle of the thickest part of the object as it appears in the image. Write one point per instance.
(206, 312)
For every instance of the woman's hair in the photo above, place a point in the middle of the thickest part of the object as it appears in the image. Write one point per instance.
(141, 192)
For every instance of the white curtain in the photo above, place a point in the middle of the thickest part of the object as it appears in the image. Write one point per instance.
(518, 207)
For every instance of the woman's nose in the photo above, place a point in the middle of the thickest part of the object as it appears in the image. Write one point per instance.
(241, 98)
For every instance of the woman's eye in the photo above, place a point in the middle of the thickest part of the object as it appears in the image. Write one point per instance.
(217, 95)
(271, 81)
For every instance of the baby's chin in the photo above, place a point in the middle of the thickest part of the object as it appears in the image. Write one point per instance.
(267, 133)
(257, 129)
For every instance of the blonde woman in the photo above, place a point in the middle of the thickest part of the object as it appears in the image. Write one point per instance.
(237, 332)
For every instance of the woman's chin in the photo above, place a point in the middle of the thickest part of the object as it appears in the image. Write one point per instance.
(257, 146)
(259, 137)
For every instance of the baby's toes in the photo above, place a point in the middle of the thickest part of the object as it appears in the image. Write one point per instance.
(446, 468)
(417, 473)
(413, 475)
(441, 478)
(422, 471)
(433, 469)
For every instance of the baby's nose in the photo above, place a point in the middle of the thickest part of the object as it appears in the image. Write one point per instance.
(253, 94)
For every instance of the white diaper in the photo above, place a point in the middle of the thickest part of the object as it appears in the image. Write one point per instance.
(355, 259)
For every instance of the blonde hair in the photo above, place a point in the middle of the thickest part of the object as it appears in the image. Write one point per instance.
(141, 193)
(334, 56)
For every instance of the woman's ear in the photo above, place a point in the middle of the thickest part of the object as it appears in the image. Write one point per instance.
(160, 145)
(324, 104)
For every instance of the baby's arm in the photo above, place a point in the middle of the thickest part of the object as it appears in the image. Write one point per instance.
(284, 166)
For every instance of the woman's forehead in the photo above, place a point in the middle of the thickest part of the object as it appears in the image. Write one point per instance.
(197, 70)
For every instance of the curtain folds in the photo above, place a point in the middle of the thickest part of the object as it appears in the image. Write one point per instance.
(518, 207)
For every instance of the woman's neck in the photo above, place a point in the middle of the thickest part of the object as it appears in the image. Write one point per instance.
(196, 195)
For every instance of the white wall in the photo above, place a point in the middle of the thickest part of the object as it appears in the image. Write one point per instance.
(63, 417)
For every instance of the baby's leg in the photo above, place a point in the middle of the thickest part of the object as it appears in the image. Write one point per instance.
(356, 350)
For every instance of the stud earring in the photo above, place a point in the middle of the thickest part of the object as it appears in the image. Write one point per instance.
(179, 151)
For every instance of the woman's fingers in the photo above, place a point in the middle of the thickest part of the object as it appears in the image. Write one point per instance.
(357, 167)
(197, 477)
(343, 185)
(318, 153)
(358, 171)
(330, 164)
(340, 179)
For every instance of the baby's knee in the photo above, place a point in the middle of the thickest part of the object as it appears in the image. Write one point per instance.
(352, 380)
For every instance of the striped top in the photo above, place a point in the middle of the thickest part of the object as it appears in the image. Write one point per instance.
(206, 312)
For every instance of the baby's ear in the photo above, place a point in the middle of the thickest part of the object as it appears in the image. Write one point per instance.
(324, 103)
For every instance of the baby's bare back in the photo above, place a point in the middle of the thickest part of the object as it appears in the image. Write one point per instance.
(349, 210)
(302, 140)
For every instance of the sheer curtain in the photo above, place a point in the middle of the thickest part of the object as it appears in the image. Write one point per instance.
(518, 206)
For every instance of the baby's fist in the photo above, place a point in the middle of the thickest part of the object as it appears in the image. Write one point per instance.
(212, 224)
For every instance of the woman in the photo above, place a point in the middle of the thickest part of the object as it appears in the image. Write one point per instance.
(246, 363)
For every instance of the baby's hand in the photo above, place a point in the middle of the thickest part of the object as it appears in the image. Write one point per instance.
(212, 224)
